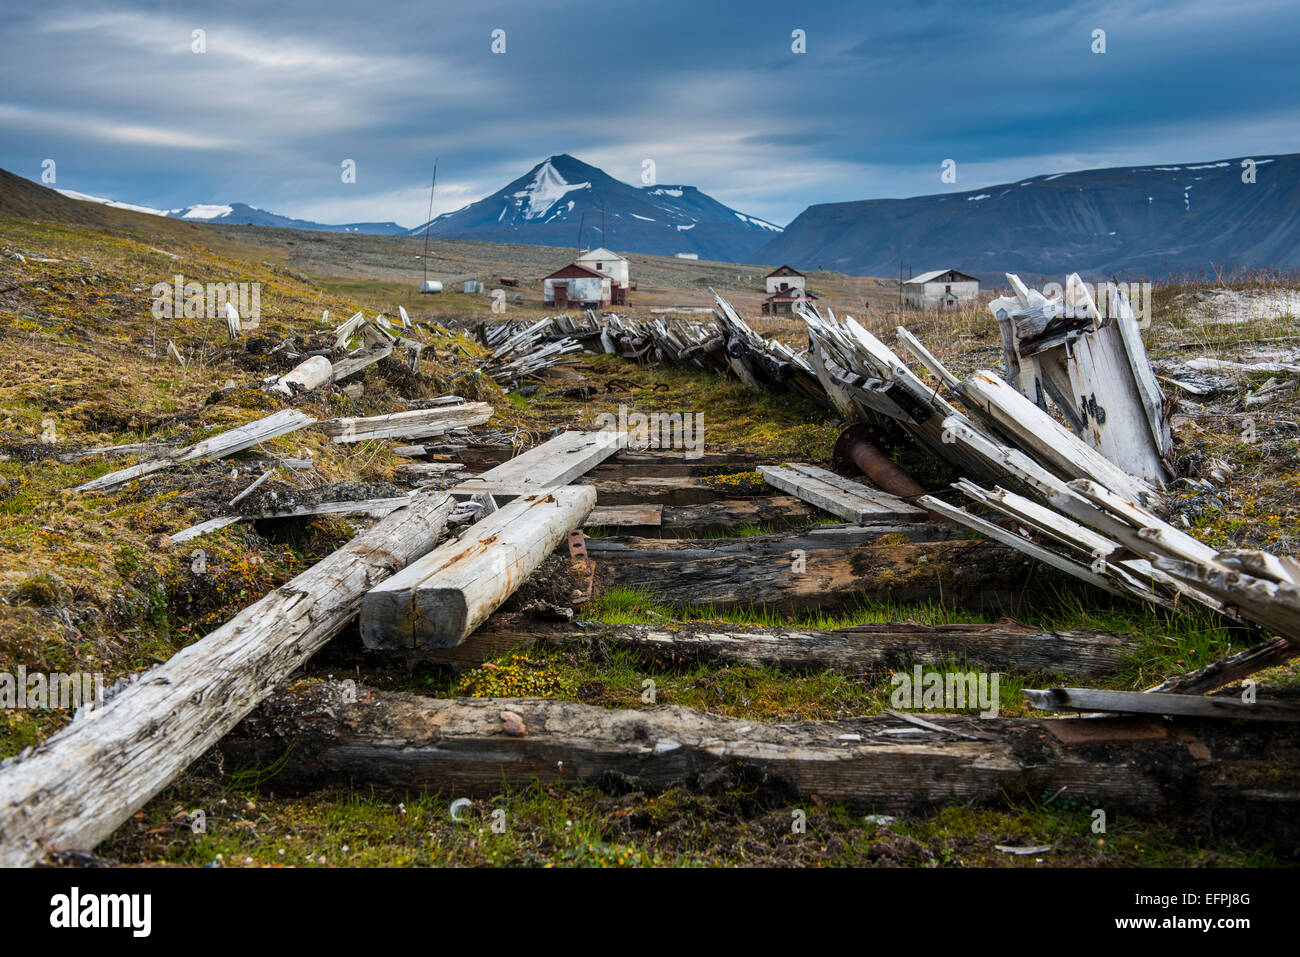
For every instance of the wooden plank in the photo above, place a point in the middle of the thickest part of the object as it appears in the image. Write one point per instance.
(218, 446)
(203, 528)
(374, 507)
(790, 573)
(89, 777)
(1047, 440)
(615, 515)
(557, 461)
(1033, 550)
(1139, 702)
(777, 511)
(442, 598)
(319, 739)
(837, 495)
(356, 363)
(927, 359)
(1001, 646)
(415, 424)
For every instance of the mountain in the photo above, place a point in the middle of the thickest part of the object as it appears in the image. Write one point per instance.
(241, 214)
(546, 205)
(1132, 222)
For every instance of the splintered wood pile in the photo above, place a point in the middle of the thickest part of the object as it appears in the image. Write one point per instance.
(726, 346)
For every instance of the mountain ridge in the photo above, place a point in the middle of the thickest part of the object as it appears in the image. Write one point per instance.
(1128, 221)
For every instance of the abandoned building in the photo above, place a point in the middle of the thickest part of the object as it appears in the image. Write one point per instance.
(582, 287)
(785, 286)
(784, 278)
(781, 303)
(941, 289)
(606, 262)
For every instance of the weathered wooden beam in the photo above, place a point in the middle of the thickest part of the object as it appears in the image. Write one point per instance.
(1232, 668)
(1052, 443)
(307, 375)
(219, 446)
(442, 598)
(415, 424)
(1005, 646)
(1151, 702)
(799, 572)
(778, 511)
(557, 461)
(1202, 772)
(374, 507)
(620, 515)
(845, 498)
(85, 780)
(357, 363)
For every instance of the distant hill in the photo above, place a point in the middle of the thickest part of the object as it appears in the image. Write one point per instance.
(546, 205)
(241, 214)
(1130, 221)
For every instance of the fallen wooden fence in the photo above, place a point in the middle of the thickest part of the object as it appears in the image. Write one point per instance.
(73, 789)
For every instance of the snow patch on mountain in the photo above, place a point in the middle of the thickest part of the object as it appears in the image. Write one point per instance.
(87, 198)
(547, 188)
(207, 212)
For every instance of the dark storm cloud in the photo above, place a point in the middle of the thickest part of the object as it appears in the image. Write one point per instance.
(712, 92)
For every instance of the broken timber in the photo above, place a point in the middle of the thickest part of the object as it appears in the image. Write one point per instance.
(557, 461)
(439, 600)
(416, 424)
(76, 787)
(845, 498)
(219, 446)
(1002, 646)
(1200, 771)
(1094, 368)
(1140, 702)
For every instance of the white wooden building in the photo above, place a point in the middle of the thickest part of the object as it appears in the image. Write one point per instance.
(785, 279)
(608, 262)
(941, 289)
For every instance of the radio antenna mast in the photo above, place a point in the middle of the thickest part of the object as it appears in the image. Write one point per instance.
(429, 222)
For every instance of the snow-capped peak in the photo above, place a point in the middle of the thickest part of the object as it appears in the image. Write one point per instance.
(207, 212)
(546, 189)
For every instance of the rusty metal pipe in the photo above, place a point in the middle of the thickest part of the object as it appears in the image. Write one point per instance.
(854, 447)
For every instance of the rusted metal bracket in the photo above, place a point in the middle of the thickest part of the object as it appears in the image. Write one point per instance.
(583, 565)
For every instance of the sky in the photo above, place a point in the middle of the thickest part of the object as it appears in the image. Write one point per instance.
(714, 93)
